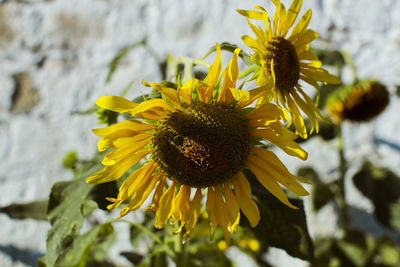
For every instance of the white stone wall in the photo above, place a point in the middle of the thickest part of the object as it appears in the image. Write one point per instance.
(64, 47)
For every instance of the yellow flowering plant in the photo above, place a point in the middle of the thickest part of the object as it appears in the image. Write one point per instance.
(194, 167)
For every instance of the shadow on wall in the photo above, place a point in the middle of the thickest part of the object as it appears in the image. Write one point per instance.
(26, 256)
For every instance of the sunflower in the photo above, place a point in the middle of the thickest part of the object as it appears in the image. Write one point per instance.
(358, 103)
(284, 61)
(197, 140)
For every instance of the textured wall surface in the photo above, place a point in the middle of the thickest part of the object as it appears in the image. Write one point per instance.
(54, 59)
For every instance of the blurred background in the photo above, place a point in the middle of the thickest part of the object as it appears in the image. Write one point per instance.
(55, 60)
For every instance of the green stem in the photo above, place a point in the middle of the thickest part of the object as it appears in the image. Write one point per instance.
(141, 228)
(180, 251)
(252, 68)
(350, 62)
(344, 219)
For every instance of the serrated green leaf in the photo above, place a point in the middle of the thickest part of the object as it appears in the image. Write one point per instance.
(280, 226)
(36, 210)
(65, 214)
(89, 247)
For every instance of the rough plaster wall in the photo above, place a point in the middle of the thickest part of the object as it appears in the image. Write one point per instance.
(63, 47)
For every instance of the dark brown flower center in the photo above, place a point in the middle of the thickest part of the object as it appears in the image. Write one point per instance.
(201, 144)
(285, 63)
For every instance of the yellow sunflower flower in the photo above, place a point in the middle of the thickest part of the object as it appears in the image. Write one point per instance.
(286, 60)
(198, 140)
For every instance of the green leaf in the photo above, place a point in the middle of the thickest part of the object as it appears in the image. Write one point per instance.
(321, 193)
(65, 212)
(112, 66)
(36, 210)
(205, 254)
(389, 254)
(281, 226)
(357, 247)
(90, 247)
(382, 187)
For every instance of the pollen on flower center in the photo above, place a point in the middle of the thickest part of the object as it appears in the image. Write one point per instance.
(201, 144)
(285, 63)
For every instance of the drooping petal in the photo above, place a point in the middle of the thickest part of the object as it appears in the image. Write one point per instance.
(243, 196)
(270, 184)
(211, 210)
(123, 152)
(194, 213)
(287, 145)
(166, 206)
(281, 175)
(157, 195)
(233, 208)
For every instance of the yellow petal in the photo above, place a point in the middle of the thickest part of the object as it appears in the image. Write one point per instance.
(252, 43)
(320, 75)
(270, 184)
(222, 215)
(143, 191)
(243, 196)
(251, 14)
(181, 206)
(290, 147)
(233, 208)
(133, 125)
(307, 37)
(155, 103)
(291, 15)
(116, 103)
(274, 161)
(157, 195)
(281, 175)
(166, 206)
(113, 172)
(107, 141)
(297, 118)
(123, 152)
(301, 26)
(120, 142)
(131, 183)
(229, 77)
(309, 110)
(211, 210)
(169, 93)
(215, 69)
(194, 213)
